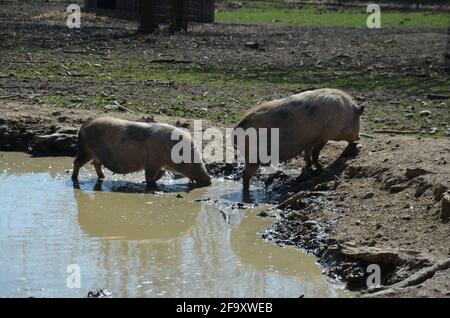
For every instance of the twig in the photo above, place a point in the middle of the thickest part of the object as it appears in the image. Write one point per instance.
(121, 107)
(65, 68)
(295, 199)
(171, 61)
(70, 73)
(84, 52)
(438, 96)
(414, 279)
(394, 131)
(25, 62)
(10, 96)
(76, 74)
(367, 136)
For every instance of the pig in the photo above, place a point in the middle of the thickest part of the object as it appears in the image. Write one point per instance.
(306, 122)
(125, 146)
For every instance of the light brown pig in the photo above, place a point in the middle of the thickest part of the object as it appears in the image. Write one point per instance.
(306, 122)
(124, 146)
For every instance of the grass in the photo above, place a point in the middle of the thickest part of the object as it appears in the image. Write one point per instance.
(224, 81)
(274, 13)
(217, 76)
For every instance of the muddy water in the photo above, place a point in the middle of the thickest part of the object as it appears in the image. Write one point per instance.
(138, 244)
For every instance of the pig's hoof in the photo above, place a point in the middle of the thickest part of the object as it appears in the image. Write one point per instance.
(308, 168)
(76, 184)
(98, 186)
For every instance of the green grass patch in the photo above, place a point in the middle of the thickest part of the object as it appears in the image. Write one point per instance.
(274, 13)
(179, 89)
(58, 101)
(230, 77)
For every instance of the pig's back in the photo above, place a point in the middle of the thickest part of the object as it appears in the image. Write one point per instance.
(126, 146)
(307, 112)
(303, 118)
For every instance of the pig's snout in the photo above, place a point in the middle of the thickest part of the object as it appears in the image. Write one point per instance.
(204, 181)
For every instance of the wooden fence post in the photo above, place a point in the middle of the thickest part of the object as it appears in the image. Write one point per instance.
(179, 15)
(148, 24)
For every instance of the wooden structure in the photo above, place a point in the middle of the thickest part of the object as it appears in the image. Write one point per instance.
(161, 10)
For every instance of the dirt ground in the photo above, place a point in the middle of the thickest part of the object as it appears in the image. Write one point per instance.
(383, 202)
(400, 75)
(386, 199)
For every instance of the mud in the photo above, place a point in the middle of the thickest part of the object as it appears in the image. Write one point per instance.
(128, 242)
(386, 200)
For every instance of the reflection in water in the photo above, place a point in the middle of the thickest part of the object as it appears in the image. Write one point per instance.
(135, 217)
(138, 244)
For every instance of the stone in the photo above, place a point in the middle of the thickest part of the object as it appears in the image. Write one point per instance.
(411, 173)
(298, 216)
(68, 130)
(409, 115)
(397, 188)
(425, 113)
(148, 119)
(252, 45)
(387, 184)
(99, 293)
(310, 223)
(111, 107)
(182, 125)
(368, 195)
(55, 144)
(437, 96)
(323, 186)
(445, 207)
(422, 186)
(439, 191)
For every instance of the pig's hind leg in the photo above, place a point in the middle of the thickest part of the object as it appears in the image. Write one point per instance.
(98, 169)
(82, 158)
(249, 171)
(318, 146)
(307, 157)
(153, 175)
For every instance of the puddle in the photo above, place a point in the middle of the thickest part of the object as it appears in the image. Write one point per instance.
(138, 244)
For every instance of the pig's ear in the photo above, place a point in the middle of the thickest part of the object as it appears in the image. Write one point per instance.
(360, 109)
